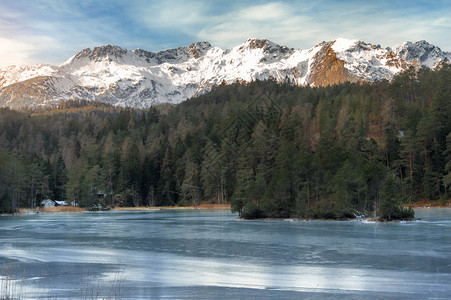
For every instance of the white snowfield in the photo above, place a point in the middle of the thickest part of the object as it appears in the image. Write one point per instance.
(138, 78)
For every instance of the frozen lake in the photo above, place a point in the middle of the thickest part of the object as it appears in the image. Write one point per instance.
(212, 255)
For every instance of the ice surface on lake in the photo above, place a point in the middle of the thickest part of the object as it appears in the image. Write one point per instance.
(212, 254)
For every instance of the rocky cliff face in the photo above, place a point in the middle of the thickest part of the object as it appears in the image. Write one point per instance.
(140, 78)
(328, 69)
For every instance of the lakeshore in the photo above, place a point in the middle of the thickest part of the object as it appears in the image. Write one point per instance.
(72, 209)
(203, 206)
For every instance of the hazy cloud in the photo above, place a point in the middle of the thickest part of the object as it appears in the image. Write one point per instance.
(298, 26)
(13, 52)
(275, 21)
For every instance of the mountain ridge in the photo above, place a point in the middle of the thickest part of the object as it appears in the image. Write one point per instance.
(140, 78)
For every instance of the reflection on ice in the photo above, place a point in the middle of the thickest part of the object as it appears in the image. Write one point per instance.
(179, 272)
(103, 256)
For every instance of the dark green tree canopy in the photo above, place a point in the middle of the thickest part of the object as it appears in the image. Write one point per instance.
(268, 149)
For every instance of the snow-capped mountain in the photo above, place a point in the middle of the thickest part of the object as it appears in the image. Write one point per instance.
(139, 78)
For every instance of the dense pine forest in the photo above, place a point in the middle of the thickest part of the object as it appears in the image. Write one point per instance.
(269, 149)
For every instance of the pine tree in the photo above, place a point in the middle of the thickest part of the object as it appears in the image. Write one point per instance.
(447, 177)
(391, 199)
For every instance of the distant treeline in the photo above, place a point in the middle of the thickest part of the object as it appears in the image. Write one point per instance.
(269, 149)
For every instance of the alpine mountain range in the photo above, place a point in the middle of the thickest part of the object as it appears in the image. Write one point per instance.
(140, 79)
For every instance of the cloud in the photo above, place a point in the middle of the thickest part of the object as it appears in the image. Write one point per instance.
(264, 13)
(303, 24)
(203, 20)
(51, 31)
(13, 52)
(281, 22)
(180, 15)
(442, 22)
(28, 50)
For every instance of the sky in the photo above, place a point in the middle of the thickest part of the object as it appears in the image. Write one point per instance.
(51, 31)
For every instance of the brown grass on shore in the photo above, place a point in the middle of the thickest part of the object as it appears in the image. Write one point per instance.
(214, 206)
(201, 206)
(204, 206)
(62, 209)
(430, 203)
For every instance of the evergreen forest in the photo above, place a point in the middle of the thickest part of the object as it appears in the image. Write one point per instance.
(269, 149)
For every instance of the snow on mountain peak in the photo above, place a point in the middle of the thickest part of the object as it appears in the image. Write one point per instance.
(140, 78)
(98, 53)
(106, 52)
(341, 44)
(254, 43)
(15, 74)
(199, 49)
(422, 52)
(264, 44)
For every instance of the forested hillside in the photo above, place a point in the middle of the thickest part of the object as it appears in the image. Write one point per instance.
(269, 149)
